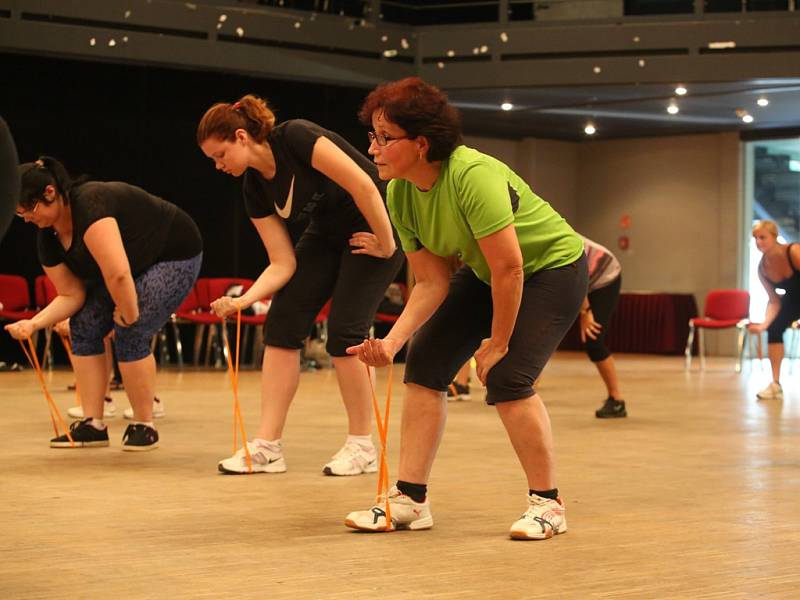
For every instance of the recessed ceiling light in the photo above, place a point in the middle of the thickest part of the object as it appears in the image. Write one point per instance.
(680, 90)
(673, 109)
(762, 102)
(506, 106)
(589, 129)
(747, 118)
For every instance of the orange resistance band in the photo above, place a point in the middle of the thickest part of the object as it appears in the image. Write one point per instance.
(68, 348)
(234, 373)
(54, 412)
(383, 430)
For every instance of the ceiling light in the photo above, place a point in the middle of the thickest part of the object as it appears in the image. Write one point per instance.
(589, 129)
(680, 90)
(673, 109)
(762, 102)
(747, 118)
(506, 106)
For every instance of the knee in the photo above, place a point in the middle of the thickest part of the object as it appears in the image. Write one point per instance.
(597, 351)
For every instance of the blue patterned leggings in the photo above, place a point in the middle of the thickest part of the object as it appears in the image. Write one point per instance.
(160, 290)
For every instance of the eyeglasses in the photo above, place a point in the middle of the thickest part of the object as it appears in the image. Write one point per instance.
(383, 139)
(27, 211)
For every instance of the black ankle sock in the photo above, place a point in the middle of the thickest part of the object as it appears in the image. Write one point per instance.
(549, 494)
(415, 491)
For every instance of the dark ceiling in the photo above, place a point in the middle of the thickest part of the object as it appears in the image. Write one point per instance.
(630, 110)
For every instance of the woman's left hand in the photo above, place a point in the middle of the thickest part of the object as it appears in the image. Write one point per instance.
(119, 320)
(589, 327)
(364, 242)
(756, 327)
(487, 356)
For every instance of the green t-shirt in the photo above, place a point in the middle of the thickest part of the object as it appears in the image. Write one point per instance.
(474, 196)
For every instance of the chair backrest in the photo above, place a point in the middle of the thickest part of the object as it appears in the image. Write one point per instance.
(14, 294)
(217, 286)
(727, 304)
(45, 291)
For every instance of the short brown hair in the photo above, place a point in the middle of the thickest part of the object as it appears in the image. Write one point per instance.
(249, 112)
(420, 109)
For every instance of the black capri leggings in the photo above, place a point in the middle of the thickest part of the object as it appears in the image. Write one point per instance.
(789, 312)
(326, 268)
(550, 302)
(603, 302)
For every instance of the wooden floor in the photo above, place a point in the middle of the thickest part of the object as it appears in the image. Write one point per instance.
(695, 495)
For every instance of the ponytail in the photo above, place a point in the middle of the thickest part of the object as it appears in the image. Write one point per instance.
(36, 176)
(250, 113)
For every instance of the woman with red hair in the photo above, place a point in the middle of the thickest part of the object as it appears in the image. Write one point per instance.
(523, 281)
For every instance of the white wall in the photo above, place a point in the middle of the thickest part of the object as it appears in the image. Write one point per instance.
(682, 193)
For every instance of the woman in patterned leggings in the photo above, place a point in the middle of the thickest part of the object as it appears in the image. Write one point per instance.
(120, 259)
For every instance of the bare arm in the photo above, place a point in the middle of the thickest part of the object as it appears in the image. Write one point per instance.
(432, 275)
(70, 298)
(329, 159)
(504, 257)
(432, 282)
(104, 241)
(773, 306)
(282, 265)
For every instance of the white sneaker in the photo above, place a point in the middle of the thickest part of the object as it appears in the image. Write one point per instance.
(158, 410)
(109, 410)
(543, 519)
(405, 514)
(352, 459)
(773, 391)
(263, 460)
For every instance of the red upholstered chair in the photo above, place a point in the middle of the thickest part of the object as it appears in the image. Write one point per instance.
(724, 309)
(15, 298)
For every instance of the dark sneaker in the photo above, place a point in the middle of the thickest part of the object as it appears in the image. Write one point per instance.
(612, 409)
(84, 434)
(139, 438)
(456, 391)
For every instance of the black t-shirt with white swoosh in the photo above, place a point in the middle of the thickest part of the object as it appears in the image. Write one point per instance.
(298, 193)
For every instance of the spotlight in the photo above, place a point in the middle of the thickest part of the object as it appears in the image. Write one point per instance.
(680, 90)
(762, 102)
(589, 129)
(747, 118)
(506, 106)
(673, 109)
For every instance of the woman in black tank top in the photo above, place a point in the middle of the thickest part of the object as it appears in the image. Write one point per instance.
(779, 268)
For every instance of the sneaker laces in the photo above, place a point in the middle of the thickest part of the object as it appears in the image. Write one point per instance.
(350, 451)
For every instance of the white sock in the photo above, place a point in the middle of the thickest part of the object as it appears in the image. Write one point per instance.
(97, 424)
(148, 423)
(365, 441)
(271, 445)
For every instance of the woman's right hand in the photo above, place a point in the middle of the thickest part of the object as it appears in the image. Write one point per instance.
(62, 328)
(224, 306)
(374, 352)
(21, 330)
(756, 328)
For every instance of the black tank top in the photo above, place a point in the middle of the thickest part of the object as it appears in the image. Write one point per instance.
(791, 285)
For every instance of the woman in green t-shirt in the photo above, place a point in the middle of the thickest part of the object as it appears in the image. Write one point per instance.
(521, 287)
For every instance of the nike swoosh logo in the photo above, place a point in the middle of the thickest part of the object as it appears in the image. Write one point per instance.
(287, 208)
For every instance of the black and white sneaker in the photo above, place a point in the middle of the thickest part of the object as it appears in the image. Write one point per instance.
(139, 438)
(84, 434)
(612, 409)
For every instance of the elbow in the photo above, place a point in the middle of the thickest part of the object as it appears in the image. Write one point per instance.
(115, 280)
(512, 273)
